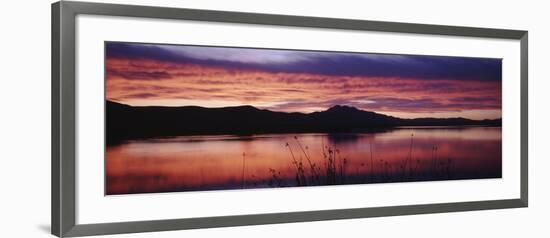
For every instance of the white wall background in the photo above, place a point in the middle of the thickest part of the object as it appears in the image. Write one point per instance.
(25, 118)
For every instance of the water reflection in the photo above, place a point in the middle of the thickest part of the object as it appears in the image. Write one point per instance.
(192, 163)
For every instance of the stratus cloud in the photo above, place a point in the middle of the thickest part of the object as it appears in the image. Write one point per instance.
(304, 81)
(316, 62)
(205, 85)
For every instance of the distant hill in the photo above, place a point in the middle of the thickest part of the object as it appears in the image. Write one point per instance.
(125, 122)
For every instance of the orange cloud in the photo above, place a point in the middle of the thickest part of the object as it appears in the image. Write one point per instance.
(149, 82)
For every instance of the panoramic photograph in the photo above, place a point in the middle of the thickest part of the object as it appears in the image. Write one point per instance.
(183, 118)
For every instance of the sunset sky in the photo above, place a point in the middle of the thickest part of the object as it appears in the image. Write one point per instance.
(407, 86)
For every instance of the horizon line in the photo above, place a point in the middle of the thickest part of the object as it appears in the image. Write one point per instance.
(328, 108)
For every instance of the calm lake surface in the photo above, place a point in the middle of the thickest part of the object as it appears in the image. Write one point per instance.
(194, 163)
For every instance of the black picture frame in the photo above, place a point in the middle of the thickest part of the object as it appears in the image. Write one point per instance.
(63, 169)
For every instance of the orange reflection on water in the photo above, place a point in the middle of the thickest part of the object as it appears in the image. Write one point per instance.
(191, 163)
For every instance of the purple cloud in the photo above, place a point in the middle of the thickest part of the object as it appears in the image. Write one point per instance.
(316, 62)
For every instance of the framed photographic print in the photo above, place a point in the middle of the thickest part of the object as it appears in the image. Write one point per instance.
(166, 119)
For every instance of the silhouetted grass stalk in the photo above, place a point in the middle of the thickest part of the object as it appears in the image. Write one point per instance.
(315, 176)
(333, 170)
(371, 164)
(243, 179)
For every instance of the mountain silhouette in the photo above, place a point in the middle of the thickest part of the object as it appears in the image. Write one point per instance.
(127, 122)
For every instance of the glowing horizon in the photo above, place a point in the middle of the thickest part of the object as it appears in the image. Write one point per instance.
(404, 86)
